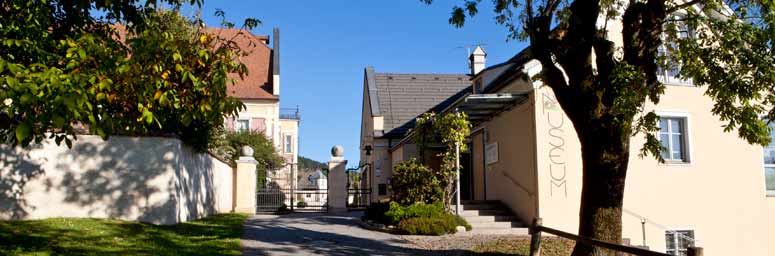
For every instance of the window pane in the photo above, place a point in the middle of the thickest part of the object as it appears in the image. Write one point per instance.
(769, 155)
(663, 124)
(677, 149)
(676, 125)
(242, 125)
(772, 134)
(664, 139)
(669, 241)
(769, 176)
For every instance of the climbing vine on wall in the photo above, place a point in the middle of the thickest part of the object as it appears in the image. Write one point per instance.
(449, 130)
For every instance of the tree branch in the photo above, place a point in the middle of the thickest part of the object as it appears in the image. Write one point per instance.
(682, 6)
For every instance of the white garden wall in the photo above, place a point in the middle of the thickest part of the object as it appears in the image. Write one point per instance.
(150, 179)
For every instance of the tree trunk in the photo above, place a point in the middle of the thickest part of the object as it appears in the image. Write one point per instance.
(605, 154)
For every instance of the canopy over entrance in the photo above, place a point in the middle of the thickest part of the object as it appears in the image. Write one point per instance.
(483, 107)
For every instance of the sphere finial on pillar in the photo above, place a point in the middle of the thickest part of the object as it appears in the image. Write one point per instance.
(246, 151)
(337, 151)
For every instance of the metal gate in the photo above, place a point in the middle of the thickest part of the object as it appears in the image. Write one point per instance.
(286, 190)
(358, 190)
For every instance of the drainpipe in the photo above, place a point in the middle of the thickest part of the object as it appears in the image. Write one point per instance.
(484, 160)
(457, 178)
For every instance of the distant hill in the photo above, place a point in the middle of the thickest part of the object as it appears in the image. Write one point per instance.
(308, 167)
(309, 164)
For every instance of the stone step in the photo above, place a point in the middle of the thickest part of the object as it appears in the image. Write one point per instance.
(480, 219)
(498, 224)
(467, 213)
(483, 207)
(495, 231)
(480, 202)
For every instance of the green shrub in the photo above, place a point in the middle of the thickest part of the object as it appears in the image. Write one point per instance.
(413, 182)
(228, 144)
(459, 221)
(301, 204)
(440, 225)
(398, 212)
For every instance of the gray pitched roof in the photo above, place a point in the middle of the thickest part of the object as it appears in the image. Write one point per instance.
(402, 97)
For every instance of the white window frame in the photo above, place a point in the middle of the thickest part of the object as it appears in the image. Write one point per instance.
(675, 239)
(288, 143)
(236, 125)
(770, 193)
(663, 75)
(687, 135)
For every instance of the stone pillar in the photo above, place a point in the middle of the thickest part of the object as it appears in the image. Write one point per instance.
(245, 182)
(337, 181)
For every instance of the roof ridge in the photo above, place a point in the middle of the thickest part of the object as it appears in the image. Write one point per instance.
(424, 74)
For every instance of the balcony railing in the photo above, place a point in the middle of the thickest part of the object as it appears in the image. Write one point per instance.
(290, 113)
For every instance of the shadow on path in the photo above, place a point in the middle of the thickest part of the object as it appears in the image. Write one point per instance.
(318, 234)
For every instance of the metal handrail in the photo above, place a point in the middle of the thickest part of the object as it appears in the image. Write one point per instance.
(537, 228)
(666, 229)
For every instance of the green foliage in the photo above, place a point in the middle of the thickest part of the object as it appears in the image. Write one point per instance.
(439, 225)
(413, 182)
(452, 131)
(603, 78)
(228, 144)
(309, 164)
(215, 235)
(65, 69)
(398, 212)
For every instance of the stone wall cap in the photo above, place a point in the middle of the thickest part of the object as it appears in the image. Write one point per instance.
(247, 160)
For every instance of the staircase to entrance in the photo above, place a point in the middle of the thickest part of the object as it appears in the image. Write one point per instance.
(491, 217)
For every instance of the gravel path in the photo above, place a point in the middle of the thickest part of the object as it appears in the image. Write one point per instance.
(318, 234)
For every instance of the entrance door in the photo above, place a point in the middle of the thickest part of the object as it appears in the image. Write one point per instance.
(466, 176)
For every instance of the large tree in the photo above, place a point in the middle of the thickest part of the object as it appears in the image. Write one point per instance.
(603, 85)
(112, 67)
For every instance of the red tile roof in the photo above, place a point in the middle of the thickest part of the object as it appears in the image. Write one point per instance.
(258, 83)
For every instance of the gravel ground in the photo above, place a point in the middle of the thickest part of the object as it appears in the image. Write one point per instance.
(317, 234)
(452, 242)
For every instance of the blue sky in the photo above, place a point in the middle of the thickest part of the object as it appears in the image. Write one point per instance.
(325, 46)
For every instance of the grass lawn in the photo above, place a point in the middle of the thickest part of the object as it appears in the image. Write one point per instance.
(215, 235)
(550, 246)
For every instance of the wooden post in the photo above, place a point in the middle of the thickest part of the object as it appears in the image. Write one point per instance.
(535, 238)
(694, 251)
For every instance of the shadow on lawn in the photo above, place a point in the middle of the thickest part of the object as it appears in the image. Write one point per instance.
(217, 235)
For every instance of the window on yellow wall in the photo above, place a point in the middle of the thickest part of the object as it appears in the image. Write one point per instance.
(769, 163)
(679, 241)
(288, 144)
(672, 136)
(670, 67)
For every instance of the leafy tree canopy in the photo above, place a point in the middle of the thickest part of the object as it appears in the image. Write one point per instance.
(66, 66)
(601, 58)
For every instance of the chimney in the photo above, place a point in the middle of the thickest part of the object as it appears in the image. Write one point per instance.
(477, 60)
(276, 62)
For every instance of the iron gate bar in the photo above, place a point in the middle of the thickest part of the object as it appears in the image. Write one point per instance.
(361, 198)
(296, 200)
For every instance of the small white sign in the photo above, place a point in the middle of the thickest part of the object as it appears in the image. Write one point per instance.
(491, 153)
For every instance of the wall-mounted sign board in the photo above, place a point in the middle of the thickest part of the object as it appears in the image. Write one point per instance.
(491, 153)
